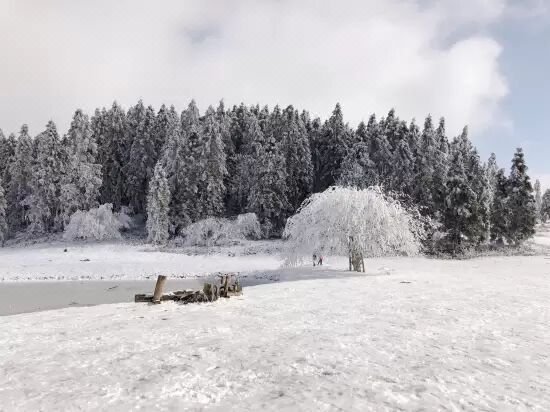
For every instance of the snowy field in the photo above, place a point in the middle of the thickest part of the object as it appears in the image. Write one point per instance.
(411, 334)
(109, 261)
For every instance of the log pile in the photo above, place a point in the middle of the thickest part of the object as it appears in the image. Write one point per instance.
(229, 286)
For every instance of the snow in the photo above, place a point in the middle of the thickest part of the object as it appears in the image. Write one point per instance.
(98, 261)
(412, 333)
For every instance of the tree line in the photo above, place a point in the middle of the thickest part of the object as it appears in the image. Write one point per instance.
(178, 168)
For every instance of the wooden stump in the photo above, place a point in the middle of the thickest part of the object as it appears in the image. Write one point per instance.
(157, 295)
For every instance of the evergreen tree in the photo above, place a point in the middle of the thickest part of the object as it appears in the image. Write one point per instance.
(172, 161)
(194, 166)
(390, 129)
(143, 154)
(7, 151)
(109, 129)
(335, 140)
(459, 203)
(297, 153)
(425, 162)
(212, 186)
(81, 183)
(402, 175)
(267, 197)
(161, 127)
(538, 199)
(315, 129)
(500, 211)
(476, 178)
(440, 168)
(379, 151)
(491, 171)
(3, 210)
(48, 168)
(235, 201)
(357, 169)
(545, 206)
(521, 201)
(158, 207)
(20, 171)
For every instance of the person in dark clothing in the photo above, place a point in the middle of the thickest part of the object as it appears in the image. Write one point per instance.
(314, 259)
(320, 262)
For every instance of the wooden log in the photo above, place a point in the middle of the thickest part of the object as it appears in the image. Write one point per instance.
(157, 295)
(143, 298)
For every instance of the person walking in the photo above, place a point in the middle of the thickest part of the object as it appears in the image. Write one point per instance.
(314, 259)
(320, 263)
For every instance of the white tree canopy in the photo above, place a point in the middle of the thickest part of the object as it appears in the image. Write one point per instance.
(327, 221)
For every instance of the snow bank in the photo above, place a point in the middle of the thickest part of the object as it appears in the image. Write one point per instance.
(432, 336)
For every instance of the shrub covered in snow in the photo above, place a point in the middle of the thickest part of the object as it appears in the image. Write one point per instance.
(219, 231)
(99, 223)
(355, 222)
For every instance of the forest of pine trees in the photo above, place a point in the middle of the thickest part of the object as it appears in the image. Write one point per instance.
(177, 169)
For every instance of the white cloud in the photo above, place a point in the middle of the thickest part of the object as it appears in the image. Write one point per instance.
(417, 56)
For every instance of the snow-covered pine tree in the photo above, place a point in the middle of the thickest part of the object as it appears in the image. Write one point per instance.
(315, 129)
(223, 118)
(521, 201)
(297, 153)
(3, 217)
(379, 151)
(357, 169)
(425, 163)
(194, 166)
(20, 171)
(235, 202)
(161, 128)
(545, 206)
(6, 154)
(402, 174)
(158, 207)
(268, 192)
(109, 129)
(390, 128)
(143, 154)
(172, 161)
(48, 168)
(476, 178)
(335, 140)
(538, 199)
(81, 182)
(440, 168)
(491, 170)
(459, 204)
(277, 123)
(500, 211)
(212, 186)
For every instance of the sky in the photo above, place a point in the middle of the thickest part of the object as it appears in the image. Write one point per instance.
(481, 63)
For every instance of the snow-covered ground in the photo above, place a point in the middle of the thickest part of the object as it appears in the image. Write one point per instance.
(413, 334)
(108, 261)
(410, 334)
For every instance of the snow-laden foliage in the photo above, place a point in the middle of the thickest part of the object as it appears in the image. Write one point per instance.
(99, 223)
(3, 222)
(158, 207)
(266, 161)
(219, 231)
(377, 224)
